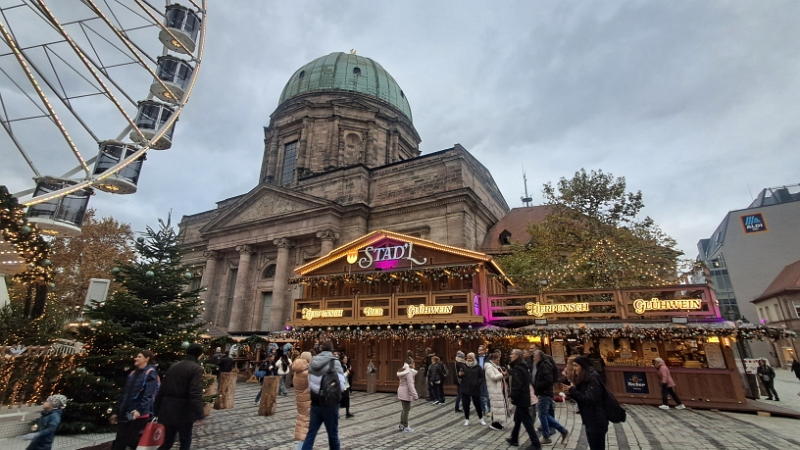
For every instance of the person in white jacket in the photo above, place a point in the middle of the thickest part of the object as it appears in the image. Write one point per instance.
(496, 386)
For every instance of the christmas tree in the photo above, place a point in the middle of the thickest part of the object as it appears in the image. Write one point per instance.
(153, 311)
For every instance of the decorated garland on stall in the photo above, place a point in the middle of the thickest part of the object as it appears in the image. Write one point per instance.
(411, 275)
(422, 332)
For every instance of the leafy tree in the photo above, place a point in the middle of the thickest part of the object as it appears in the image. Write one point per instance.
(152, 311)
(592, 238)
(102, 245)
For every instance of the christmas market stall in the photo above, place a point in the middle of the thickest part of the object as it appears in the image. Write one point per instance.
(387, 295)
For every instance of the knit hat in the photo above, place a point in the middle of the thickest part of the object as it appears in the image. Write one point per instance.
(584, 362)
(57, 401)
(195, 350)
(460, 354)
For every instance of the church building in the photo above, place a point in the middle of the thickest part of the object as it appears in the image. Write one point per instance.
(341, 159)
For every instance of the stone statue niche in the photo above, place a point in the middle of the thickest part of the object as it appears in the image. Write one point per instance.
(354, 148)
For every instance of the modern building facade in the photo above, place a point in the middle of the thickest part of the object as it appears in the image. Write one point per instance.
(341, 159)
(749, 249)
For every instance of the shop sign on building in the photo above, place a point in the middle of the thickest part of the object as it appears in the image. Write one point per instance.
(655, 304)
(384, 258)
(311, 314)
(753, 223)
(425, 310)
(372, 312)
(636, 383)
(538, 310)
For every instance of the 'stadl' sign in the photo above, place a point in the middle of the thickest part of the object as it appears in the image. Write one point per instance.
(375, 254)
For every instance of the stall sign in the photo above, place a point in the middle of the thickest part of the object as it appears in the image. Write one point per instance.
(384, 257)
(373, 312)
(311, 314)
(655, 304)
(636, 383)
(425, 310)
(538, 310)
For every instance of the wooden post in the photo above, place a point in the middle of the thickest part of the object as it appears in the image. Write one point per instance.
(210, 390)
(372, 383)
(269, 396)
(227, 391)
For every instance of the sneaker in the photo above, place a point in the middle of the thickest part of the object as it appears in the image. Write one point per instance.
(408, 430)
(664, 407)
(466, 423)
(459, 411)
(483, 422)
(564, 435)
(496, 426)
(680, 407)
(436, 402)
(545, 440)
(349, 416)
(402, 428)
(512, 442)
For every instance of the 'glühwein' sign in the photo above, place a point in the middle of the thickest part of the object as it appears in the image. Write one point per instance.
(655, 304)
(384, 258)
(538, 310)
(424, 310)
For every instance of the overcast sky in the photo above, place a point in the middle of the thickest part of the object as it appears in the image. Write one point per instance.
(696, 104)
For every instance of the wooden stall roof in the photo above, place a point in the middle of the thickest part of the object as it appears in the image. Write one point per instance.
(377, 236)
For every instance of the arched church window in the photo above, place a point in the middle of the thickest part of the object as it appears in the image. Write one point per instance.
(356, 71)
(402, 94)
(302, 74)
(269, 271)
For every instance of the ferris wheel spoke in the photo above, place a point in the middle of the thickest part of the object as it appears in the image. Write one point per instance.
(13, 137)
(12, 43)
(87, 62)
(124, 38)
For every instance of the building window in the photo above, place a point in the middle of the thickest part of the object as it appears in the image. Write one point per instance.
(302, 74)
(796, 305)
(356, 71)
(269, 272)
(266, 298)
(505, 238)
(289, 161)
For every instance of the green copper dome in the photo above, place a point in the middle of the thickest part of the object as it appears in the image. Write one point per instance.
(347, 72)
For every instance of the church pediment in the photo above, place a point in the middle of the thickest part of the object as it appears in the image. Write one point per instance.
(264, 203)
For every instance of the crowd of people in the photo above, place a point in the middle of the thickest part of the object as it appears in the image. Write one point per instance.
(519, 391)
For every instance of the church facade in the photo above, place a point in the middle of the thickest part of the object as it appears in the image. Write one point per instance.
(341, 159)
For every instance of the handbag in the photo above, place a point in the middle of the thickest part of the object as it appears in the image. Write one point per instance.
(152, 436)
(614, 412)
(260, 374)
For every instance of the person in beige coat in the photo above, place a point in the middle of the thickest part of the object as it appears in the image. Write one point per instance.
(495, 384)
(302, 395)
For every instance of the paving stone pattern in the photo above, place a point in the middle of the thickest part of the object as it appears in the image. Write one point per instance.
(439, 427)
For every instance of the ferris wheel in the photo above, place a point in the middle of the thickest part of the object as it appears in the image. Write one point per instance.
(87, 87)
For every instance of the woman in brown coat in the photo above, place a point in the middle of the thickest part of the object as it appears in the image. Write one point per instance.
(302, 395)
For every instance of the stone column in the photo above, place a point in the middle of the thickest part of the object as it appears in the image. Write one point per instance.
(272, 159)
(280, 297)
(237, 308)
(328, 237)
(206, 282)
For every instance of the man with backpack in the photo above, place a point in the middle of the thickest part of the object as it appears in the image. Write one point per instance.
(326, 382)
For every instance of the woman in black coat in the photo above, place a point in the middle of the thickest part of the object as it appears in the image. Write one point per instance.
(588, 391)
(472, 379)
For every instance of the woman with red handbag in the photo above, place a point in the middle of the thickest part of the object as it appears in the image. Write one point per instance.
(136, 405)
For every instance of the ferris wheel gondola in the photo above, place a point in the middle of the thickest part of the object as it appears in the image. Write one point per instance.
(114, 48)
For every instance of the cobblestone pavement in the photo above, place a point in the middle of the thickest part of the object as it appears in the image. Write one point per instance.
(439, 427)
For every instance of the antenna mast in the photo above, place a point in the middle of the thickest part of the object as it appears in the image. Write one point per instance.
(526, 200)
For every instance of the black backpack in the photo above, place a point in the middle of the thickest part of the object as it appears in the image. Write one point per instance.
(614, 412)
(330, 391)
